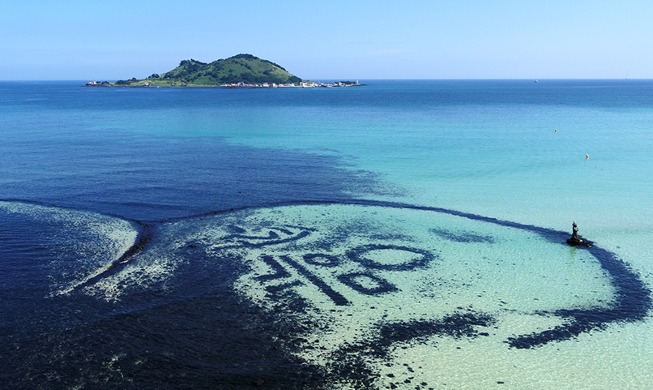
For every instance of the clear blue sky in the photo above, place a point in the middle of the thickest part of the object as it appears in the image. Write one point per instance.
(408, 39)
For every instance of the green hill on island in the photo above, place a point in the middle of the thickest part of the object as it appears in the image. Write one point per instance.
(242, 69)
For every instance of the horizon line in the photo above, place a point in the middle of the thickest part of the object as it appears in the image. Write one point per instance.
(533, 79)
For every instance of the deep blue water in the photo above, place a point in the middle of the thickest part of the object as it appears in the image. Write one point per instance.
(76, 162)
(54, 153)
(80, 148)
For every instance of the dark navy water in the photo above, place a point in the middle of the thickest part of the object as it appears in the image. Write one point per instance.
(54, 153)
(99, 185)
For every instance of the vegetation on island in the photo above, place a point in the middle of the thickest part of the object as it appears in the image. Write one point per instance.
(242, 69)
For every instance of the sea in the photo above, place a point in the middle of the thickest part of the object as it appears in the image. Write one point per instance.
(401, 234)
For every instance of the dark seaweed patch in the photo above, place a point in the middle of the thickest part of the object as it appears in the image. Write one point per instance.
(278, 271)
(335, 296)
(142, 241)
(361, 281)
(321, 259)
(350, 360)
(259, 241)
(235, 229)
(457, 325)
(284, 286)
(422, 259)
(632, 303)
(465, 237)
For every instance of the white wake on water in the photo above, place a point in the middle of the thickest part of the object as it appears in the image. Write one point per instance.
(87, 243)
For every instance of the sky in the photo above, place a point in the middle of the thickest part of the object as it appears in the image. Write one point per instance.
(332, 39)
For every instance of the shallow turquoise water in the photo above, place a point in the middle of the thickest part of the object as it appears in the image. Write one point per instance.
(221, 184)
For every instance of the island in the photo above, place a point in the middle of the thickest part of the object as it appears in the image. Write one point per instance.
(239, 71)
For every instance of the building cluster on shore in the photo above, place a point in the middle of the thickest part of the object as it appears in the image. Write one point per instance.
(303, 84)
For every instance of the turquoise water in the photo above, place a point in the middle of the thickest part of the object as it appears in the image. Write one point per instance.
(403, 233)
